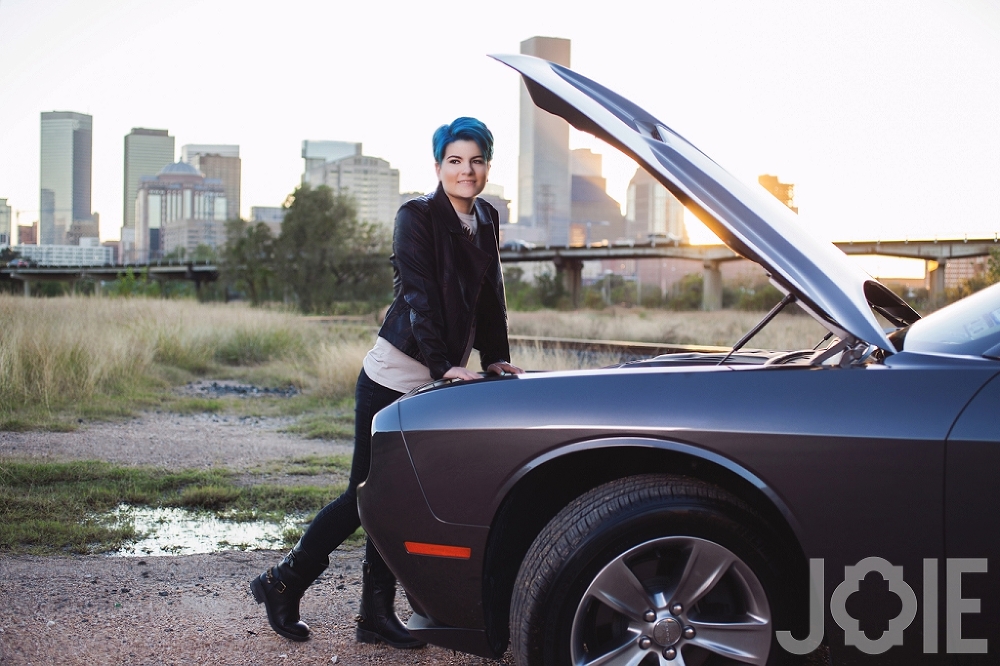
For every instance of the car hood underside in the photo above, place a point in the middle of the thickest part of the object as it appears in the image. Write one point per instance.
(749, 221)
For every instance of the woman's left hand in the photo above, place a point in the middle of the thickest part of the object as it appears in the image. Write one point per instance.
(503, 368)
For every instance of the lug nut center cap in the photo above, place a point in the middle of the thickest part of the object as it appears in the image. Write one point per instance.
(667, 632)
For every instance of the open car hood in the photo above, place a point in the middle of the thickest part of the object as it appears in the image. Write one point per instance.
(748, 220)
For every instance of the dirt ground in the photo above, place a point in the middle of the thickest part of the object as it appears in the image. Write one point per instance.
(193, 609)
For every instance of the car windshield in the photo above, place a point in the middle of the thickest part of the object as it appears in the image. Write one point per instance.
(969, 327)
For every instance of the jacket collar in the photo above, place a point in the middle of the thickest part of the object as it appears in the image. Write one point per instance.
(444, 211)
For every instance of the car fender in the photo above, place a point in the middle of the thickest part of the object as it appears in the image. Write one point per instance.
(660, 444)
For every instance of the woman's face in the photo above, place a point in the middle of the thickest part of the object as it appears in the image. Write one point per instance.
(463, 173)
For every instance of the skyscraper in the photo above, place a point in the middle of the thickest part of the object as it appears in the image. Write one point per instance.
(544, 183)
(5, 225)
(783, 192)
(370, 181)
(65, 178)
(493, 193)
(318, 153)
(190, 151)
(146, 152)
(652, 209)
(595, 216)
(221, 162)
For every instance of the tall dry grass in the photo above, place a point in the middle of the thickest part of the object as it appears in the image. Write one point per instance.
(56, 352)
(63, 351)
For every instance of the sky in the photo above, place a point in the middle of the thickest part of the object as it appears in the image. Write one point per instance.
(885, 115)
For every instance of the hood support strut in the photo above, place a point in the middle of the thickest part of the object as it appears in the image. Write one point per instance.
(789, 298)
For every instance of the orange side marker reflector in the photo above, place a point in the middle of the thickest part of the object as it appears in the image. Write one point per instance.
(437, 550)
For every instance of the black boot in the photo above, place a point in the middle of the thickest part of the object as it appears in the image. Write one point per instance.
(280, 588)
(378, 622)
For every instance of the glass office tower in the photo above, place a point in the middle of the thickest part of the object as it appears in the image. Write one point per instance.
(65, 182)
(146, 152)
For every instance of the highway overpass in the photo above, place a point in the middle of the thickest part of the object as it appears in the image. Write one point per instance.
(936, 252)
(568, 261)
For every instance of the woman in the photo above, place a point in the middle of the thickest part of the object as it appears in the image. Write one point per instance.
(448, 298)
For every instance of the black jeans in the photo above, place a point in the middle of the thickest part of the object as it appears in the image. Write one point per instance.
(339, 519)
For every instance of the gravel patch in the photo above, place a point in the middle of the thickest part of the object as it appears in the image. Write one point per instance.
(193, 609)
(174, 441)
(216, 389)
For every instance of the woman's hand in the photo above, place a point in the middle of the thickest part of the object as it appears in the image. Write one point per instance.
(503, 368)
(456, 372)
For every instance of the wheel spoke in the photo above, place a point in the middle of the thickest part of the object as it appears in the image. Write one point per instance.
(627, 654)
(706, 565)
(616, 586)
(747, 642)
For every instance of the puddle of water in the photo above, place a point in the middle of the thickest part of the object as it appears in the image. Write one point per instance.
(170, 531)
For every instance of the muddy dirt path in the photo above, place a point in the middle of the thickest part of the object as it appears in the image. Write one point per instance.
(193, 609)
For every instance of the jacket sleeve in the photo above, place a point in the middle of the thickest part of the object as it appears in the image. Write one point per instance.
(413, 247)
(491, 330)
(491, 319)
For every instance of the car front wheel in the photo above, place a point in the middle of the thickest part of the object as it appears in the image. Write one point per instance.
(651, 569)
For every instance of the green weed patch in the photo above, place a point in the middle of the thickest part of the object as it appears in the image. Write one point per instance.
(57, 507)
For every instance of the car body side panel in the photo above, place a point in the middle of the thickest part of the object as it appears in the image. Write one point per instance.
(448, 589)
(857, 454)
(771, 421)
(972, 523)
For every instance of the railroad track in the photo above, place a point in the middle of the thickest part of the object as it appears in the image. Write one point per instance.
(625, 350)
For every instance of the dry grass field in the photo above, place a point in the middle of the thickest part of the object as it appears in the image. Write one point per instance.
(105, 353)
(104, 356)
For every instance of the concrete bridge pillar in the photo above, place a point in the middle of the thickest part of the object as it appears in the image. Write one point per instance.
(711, 294)
(571, 272)
(27, 289)
(935, 271)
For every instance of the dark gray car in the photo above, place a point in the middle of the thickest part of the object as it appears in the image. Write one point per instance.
(706, 509)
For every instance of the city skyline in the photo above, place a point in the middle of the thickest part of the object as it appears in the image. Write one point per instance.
(883, 125)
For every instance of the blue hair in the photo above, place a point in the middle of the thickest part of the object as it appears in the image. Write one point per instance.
(463, 129)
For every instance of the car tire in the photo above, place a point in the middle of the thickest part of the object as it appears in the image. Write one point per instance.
(601, 582)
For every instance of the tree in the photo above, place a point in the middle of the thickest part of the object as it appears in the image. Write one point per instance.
(8, 254)
(551, 291)
(247, 260)
(520, 294)
(990, 276)
(325, 254)
(129, 284)
(686, 293)
(993, 267)
(204, 254)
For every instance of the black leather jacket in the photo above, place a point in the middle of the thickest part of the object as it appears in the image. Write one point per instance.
(443, 282)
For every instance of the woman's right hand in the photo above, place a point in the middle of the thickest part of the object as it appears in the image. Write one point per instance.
(456, 372)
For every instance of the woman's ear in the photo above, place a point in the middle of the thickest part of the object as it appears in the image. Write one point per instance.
(437, 169)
